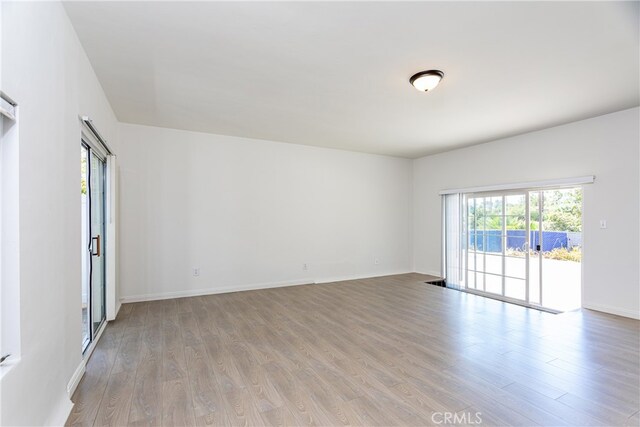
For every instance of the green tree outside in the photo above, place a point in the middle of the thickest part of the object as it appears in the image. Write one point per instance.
(562, 212)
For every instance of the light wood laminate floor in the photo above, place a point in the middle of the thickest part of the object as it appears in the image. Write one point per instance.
(383, 351)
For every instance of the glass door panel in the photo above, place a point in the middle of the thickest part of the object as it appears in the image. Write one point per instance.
(493, 284)
(515, 266)
(515, 259)
(472, 247)
(97, 211)
(561, 239)
(534, 247)
(493, 250)
(496, 260)
(92, 180)
(515, 288)
(85, 238)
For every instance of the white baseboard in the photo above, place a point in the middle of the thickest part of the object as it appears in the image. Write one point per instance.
(250, 287)
(118, 305)
(209, 291)
(61, 413)
(430, 273)
(80, 370)
(76, 377)
(612, 310)
(359, 276)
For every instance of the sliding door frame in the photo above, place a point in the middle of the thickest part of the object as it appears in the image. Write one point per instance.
(464, 227)
(94, 333)
(95, 143)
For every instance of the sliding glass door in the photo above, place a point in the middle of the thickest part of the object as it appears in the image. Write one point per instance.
(522, 246)
(496, 261)
(93, 243)
(515, 233)
(558, 247)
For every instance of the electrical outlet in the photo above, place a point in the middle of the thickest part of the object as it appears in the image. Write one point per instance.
(603, 223)
(376, 261)
(196, 272)
(305, 267)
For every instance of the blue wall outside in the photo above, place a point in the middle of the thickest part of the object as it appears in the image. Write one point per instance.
(516, 240)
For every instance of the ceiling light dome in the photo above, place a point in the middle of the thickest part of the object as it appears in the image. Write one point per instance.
(425, 81)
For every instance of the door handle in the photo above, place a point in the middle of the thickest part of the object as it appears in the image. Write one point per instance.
(97, 247)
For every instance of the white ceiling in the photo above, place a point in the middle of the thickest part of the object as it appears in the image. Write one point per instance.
(336, 74)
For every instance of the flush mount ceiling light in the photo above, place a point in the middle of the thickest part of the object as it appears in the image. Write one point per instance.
(425, 81)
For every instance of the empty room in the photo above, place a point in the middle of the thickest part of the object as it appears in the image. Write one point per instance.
(319, 213)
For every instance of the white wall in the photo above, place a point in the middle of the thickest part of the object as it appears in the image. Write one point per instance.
(605, 146)
(250, 213)
(46, 71)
